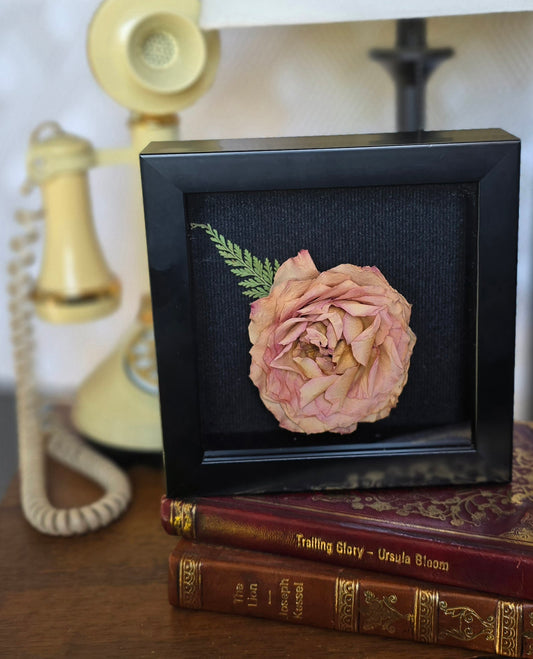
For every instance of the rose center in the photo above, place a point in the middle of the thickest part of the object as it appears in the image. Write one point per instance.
(309, 350)
(331, 357)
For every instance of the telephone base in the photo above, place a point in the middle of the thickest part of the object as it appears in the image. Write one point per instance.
(113, 410)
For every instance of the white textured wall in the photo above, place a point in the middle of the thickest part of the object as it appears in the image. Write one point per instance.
(297, 80)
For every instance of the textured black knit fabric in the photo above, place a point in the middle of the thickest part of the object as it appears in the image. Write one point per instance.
(422, 238)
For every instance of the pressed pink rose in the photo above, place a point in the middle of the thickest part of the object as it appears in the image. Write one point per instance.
(330, 348)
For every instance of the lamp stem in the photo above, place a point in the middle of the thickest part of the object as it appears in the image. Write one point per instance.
(410, 63)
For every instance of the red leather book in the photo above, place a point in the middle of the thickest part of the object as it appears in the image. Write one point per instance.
(292, 590)
(476, 537)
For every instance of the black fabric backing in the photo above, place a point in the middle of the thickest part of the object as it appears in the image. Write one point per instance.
(422, 238)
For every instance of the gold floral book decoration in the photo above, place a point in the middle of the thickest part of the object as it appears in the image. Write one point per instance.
(469, 624)
(382, 613)
(329, 349)
(506, 509)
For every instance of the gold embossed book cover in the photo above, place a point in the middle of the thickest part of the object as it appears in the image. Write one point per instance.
(250, 583)
(479, 537)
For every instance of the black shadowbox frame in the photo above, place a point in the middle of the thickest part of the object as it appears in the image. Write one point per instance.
(437, 212)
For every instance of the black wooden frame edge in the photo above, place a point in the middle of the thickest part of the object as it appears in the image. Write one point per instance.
(492, 159)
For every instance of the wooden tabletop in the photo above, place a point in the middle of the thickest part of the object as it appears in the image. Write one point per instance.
(104, 594)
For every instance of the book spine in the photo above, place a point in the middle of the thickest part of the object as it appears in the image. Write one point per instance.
(302, 592)
(350, 546)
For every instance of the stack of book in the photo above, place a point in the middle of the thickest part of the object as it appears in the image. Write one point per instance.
(452, 566)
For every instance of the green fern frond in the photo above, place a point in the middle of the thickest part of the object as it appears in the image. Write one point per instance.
(248, 283)
(258, 276)
(255, 293)
(240, 272)
(248, 259)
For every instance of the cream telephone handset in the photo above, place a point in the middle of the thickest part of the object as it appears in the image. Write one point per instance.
(153, 59)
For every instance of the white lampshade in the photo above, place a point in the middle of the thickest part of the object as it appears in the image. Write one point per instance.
(243, 13)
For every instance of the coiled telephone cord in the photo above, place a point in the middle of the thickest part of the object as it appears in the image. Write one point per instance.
(39, 432)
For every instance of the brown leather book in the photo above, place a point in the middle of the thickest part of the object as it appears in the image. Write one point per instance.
(304, 592)
(477, 537)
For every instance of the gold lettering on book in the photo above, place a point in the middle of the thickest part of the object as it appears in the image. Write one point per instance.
(285, 593)
(346, 596)
(298, 612)
(381, 613)
(251, 599)
(426, 615)
(190, 582)
(509, 629)
(241, 596)
(434, 564)
(290, 607)
(238, 593)
(470, 625)
(345, 549)
(394, 557)
(183, 518)
(314, 543)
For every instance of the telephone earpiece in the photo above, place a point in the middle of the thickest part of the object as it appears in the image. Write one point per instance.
(75, 283)
(152, 57)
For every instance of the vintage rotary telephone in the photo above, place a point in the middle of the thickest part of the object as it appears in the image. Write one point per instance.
(153, 59)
